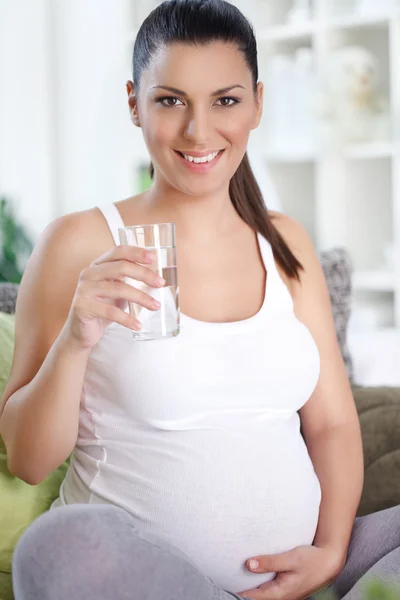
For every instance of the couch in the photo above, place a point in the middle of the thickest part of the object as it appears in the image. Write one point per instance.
(378, 409)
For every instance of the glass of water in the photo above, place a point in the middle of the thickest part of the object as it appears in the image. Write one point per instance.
(164, 322)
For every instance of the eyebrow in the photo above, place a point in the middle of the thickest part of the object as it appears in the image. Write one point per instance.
(181, 93)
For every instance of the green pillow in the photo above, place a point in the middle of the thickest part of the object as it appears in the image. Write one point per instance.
(20, 503)
(6, 352)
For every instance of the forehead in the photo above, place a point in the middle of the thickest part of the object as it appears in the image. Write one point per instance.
(202, 68)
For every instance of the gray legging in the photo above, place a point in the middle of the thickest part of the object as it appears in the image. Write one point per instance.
(99, 552)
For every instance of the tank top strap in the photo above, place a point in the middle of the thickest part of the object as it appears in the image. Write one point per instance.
(114, 220)
(276, 289)
(267, 254)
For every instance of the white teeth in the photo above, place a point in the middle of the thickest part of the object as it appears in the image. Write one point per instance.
(202, 159)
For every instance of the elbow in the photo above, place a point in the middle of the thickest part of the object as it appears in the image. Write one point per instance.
(32, 463)
(26, 474)
(33, 471)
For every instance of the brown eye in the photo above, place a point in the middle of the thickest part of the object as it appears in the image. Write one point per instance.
(168, 101)
(229, 99)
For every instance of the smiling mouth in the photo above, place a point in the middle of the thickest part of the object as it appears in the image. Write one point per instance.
(200, 160)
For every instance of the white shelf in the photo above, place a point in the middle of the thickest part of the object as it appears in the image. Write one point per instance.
(366, 151)
(371, 150)
(373, 21)
(379, 281)
(306, 31)
(297, 156)
(287, 33)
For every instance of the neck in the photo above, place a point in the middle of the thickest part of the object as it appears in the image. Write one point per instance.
(201, 219)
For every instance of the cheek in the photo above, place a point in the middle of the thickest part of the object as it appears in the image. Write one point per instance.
(236, 131)
(161, 130)
(239, 128)
(236, 123)
(157, 124)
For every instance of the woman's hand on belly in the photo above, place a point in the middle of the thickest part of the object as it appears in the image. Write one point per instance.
(300, 573)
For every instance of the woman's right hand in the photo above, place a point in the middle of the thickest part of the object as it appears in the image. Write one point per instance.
(102, 293)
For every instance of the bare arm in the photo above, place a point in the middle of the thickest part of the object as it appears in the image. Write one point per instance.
(39, 411)
(329, 419)
(39, 423)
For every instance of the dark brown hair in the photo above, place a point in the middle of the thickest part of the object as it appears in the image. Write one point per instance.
(199, 22)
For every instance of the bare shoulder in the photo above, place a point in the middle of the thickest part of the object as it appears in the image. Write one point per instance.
(76, 239)
(67, 245)
(64, 248)
(301, 245)
(84, 232)
(294, 233)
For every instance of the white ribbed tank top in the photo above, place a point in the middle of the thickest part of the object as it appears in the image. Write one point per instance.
(198, 436)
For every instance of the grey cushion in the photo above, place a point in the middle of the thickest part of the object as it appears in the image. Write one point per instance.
(338, 269)
(8, 297)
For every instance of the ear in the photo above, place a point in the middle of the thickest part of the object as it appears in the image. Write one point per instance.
(132, 102)
(258, 105)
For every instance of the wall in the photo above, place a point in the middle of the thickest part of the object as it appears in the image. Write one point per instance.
(26, 141)
(66, 141)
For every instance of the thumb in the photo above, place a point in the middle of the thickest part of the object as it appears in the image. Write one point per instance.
(274, 563)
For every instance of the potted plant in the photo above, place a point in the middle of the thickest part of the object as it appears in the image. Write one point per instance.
(16, 244)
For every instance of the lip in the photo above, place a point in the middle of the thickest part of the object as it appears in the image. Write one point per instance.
(200, 167)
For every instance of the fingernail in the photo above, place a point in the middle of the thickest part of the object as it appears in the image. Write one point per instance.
(253, 564)
(160, 280)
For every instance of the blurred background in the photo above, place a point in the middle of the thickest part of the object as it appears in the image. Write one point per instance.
(327, 151)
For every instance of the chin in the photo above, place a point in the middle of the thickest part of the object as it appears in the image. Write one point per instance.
(199, 189)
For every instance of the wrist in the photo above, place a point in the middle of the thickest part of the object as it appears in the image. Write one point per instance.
(336, 557)
(69, 345)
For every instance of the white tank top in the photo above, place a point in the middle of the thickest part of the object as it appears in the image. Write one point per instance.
(198, 436)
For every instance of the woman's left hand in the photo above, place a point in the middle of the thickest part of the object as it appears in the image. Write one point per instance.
(300, 573)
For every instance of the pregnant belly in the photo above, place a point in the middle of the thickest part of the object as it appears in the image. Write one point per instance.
(221, 519)
(220, 501)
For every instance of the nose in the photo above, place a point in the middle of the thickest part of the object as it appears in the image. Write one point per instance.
(197, 127)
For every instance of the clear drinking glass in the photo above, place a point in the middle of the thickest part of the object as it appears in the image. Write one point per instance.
(164, 322)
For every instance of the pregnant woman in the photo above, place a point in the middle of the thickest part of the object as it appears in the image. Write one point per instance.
(236, 441)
